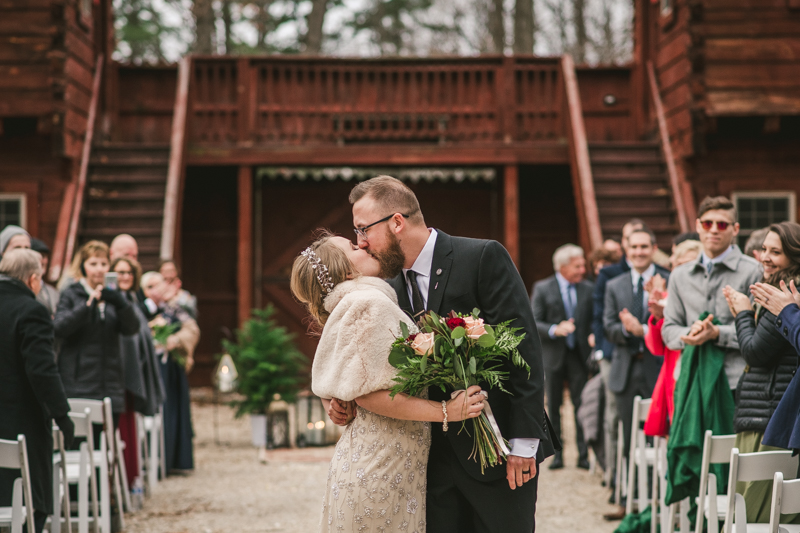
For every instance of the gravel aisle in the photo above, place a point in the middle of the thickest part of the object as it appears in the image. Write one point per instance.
(230, 491)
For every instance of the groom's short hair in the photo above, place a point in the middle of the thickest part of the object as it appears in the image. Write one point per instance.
(392, 195)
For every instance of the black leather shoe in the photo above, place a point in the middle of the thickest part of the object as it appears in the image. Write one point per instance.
(557, 463)
(583, 464)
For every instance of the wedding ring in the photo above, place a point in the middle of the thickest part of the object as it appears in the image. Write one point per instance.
(526, 471)
(766, 300)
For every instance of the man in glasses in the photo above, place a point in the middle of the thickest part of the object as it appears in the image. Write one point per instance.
(696, 286)
(432, 271)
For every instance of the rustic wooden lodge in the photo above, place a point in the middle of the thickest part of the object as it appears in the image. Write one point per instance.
(228, 164)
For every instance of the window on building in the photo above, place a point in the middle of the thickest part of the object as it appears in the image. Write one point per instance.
(760, 209)
(12, 210)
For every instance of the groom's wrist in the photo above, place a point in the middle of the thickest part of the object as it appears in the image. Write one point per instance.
(526, 448)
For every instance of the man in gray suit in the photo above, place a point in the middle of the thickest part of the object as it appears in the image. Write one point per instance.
(562, 309)
(634, 370)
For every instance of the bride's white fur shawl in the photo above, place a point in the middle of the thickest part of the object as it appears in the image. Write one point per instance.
(352, 357)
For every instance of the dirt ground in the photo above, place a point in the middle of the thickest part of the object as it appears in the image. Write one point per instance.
(231, 491)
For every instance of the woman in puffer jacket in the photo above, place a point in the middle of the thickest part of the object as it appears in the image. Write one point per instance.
(771, 361)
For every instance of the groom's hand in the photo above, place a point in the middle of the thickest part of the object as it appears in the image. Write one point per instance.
(337, 412)
(520, 470)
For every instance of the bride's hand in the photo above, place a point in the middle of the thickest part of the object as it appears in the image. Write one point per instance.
(465, 405)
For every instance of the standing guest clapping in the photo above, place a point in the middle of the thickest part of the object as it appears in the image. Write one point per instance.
(31, 393)
(562, 308)
(89, 320)
(771, 361)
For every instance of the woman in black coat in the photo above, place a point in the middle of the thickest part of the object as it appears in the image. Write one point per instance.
(771, 360)
(31, 393)
(89, 321)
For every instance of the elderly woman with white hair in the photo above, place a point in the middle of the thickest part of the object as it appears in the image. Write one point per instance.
(31, 392)
(179, 344)
(562, 307)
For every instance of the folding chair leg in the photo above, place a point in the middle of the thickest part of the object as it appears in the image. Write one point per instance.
(122, 471)
(620, 476)
(83, 500)
(118, 495)
(684, 515)
(105, 496)
(162, 446)
(55, 518)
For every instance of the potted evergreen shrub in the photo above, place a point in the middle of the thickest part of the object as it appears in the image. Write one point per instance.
(270, 367)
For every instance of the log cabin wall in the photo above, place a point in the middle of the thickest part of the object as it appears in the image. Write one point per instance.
(47, 57)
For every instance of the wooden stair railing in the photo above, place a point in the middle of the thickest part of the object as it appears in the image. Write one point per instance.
(590, 233)
(681, 189)
(69, 216)
(172, 200)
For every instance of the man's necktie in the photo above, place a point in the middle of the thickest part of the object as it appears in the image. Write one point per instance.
(416, 297)
(571, 314)
(709, 267)
(637, 309)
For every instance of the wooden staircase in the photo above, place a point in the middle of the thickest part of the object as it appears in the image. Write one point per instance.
(125, 194)
(631, 181)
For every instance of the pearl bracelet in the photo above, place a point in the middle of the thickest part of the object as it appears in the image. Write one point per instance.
(444, 411)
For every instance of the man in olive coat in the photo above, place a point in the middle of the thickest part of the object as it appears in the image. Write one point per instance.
(31, 392)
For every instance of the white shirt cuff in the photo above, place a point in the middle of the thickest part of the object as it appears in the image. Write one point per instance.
(524, 447)
(645, 329)
(552, 331)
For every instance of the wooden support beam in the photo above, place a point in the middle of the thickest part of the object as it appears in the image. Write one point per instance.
(511, 211)
(244, 278)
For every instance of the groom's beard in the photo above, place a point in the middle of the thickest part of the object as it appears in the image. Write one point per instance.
(392, 259)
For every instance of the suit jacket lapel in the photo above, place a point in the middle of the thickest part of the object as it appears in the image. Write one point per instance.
(440, 271)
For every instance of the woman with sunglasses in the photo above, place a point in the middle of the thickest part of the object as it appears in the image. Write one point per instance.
(771, 360)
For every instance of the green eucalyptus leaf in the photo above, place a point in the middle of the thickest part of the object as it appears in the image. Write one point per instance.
(459, 341)
(398, 356)
(423, 363)
(404, 329)
(473, 365)
(486, 341)
(488, 329)
(458, 333)
(476, 312)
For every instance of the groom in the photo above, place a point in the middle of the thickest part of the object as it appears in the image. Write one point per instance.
(432, 271)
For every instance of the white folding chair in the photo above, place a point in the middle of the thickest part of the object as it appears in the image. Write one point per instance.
(81, 471)
(61, 503)
(710, 505)
(103, 456)
(785, 500)
(154, 450)
(757, 466)
(640, 457)
(14, 456)
(621, 474)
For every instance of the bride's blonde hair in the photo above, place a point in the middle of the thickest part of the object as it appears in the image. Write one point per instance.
(305, 285)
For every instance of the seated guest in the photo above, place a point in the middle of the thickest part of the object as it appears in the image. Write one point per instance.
(31, 392)
(89, 321)
(144, 391)
(634, 369)
(181, 343)
(771, 361)
(174, 291)
(49, 295)
(562, 307)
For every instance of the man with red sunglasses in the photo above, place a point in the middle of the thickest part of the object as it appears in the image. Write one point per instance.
(696, 286)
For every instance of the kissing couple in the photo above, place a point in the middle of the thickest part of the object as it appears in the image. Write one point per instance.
(397, 467)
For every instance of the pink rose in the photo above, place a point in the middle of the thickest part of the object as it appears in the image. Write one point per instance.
(423, 343)
(474, 327)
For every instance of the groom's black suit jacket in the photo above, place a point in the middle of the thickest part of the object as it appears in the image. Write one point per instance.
(469, 273)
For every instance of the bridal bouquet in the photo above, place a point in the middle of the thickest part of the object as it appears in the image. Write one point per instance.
(459, 351)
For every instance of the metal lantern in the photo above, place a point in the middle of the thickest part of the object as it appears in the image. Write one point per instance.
(226, 374)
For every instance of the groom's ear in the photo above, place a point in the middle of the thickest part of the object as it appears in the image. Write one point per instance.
(398, 223)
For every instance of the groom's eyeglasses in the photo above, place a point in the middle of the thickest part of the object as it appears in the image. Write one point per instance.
(362, 231)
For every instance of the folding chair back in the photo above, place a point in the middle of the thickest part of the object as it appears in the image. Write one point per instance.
(640, 456)
(14, 456)
(85, 461)
(716, 450)
(757, 466)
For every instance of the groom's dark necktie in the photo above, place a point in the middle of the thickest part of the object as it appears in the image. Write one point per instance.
(416, 297)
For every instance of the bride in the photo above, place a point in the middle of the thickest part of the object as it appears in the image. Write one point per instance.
(376, 481)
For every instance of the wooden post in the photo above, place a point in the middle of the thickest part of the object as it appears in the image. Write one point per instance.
(511, 211)
(244, 278)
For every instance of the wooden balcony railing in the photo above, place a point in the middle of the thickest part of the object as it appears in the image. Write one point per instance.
(298, 100)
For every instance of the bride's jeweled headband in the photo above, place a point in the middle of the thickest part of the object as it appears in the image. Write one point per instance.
(323, 276)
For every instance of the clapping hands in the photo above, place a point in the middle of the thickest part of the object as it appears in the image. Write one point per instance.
(631, 323)
(737, 302)
(701, 332)
(774, 299)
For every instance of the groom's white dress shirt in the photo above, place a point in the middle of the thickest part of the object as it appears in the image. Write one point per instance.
(422, 266)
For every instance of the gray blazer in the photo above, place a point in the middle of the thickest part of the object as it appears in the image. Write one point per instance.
(548, 309)
(619, 296)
